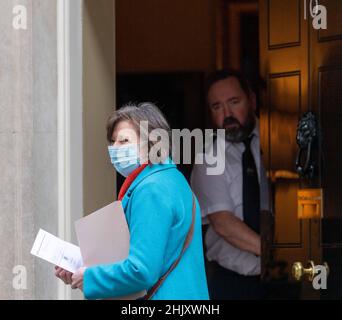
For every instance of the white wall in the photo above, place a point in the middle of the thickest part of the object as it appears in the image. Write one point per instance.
(54, 105)
(98, 101)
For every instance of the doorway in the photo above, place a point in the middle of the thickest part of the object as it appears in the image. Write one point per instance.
(180, 96)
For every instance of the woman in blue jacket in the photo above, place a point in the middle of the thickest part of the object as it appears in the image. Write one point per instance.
(158, 204)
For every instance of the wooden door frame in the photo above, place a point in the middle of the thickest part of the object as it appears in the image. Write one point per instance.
(228, 17)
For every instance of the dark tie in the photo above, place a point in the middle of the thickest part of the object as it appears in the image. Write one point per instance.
(251, 188)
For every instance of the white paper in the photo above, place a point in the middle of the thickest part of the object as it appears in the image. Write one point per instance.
(57, 251)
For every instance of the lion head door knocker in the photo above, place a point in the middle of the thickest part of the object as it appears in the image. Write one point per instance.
(307, 138)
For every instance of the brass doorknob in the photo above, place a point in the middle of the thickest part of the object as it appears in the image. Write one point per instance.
(298, 270)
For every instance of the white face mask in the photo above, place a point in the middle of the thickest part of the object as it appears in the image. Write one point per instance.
(124, 158)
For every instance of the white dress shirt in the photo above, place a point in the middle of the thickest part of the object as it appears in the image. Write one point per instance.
(224, 193)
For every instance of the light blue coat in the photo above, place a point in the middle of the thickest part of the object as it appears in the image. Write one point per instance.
(158, 209)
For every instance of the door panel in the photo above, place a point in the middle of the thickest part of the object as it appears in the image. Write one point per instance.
(325, 56)
(280, 16)
(283, 56)
(329, 107)
(334, 30)
(286, 218)
(303, 69)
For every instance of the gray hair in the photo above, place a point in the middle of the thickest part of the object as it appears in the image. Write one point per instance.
(135, 114)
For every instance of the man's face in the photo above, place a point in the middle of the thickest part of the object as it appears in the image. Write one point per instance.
(231, 109)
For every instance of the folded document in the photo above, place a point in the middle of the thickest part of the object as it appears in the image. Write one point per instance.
(103, 238)
(57, 251)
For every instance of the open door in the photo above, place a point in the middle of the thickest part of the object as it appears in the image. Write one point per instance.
(302, 65)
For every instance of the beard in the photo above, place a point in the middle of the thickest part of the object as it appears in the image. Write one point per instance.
(237, 132)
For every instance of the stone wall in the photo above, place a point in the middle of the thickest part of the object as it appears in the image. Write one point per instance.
(28, 144)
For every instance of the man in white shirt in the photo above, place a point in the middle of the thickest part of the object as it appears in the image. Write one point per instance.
(231, 202)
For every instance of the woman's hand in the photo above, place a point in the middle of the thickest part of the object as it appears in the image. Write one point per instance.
(64, 275)
(77, 279)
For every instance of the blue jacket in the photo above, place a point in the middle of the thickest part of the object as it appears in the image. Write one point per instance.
(158, 209)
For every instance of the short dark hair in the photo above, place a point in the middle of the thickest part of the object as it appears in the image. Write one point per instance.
(227, 73)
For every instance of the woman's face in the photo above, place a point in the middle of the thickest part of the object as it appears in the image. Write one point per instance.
(124, 133)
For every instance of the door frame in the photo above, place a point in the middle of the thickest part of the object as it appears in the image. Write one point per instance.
(70, 160)
(228, 17)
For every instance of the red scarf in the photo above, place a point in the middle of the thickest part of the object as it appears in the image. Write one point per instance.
(129, 180)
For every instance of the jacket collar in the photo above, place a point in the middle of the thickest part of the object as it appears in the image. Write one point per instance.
(149, 170)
